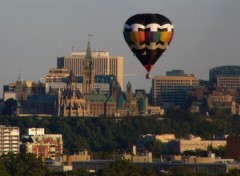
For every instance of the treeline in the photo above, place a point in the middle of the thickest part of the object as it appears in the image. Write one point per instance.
(28, 165)
(108, 135)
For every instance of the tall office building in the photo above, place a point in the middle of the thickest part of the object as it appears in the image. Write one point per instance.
(104, 64)
(172, 90)
(225, 76)
(9, 139)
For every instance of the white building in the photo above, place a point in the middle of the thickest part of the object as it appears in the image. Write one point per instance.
(35, 131)
(104, 64)
(9, 139)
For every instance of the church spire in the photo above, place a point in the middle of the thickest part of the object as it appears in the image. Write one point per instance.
(19, 77)
(88, 71)
(88, 56)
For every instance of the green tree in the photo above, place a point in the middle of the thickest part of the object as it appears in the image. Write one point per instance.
(3, 170)
(149, 171)
(23, 164)
(10, 107)
(234, 172)
(121, 168)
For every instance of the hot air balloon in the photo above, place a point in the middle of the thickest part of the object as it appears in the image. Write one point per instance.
(148, 35)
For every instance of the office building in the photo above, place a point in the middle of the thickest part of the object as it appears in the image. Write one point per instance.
(9, 139)
(171, 90)
(104, 64)
(193, 143)
(20, 89)
(225, 76)
(138, 157)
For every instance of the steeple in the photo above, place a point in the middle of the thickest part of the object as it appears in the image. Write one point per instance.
(19, 77)
(88, 71)
(129, 91)
(88, 56)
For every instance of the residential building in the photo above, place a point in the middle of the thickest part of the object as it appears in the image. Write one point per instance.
(9, 139)
(42, 145)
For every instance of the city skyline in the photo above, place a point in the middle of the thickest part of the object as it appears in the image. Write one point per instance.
(34, 33)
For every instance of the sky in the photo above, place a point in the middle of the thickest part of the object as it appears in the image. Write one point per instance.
(33, 33)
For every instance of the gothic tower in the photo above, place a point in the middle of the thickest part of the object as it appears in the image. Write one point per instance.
(129, 92)
(88, 72)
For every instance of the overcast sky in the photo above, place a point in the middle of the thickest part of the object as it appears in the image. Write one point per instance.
(34, 32)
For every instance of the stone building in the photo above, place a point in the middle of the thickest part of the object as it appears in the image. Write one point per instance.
(193, 143)
(70, 101)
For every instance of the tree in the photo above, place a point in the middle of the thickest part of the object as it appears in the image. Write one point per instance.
(234, 172)
(121, 168)
(3, 170)
(149, 171)
(10, 107)
(22, 164)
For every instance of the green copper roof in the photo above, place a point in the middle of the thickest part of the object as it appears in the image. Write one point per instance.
(96, 98)
(129, 85)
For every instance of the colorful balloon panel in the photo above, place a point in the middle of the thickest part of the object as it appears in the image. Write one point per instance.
(148, 36)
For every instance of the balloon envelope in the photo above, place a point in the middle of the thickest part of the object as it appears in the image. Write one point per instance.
(148, 36)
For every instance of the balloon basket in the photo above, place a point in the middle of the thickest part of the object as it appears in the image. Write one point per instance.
(148, 76)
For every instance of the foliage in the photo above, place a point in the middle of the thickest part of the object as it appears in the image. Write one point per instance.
(234, 172)
(21, 164)
(10, 107)
(121, 168)
(110, 135)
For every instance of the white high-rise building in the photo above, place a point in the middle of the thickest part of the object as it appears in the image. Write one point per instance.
(104, 64)
(9, 139)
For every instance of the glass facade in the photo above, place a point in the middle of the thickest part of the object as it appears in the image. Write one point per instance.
(223, 71)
